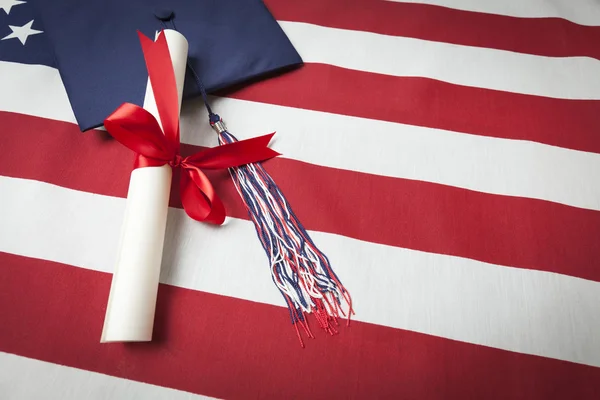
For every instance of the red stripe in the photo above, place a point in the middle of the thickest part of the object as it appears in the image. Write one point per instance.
(234, 349)
(503, 230)
(553, 37)
(572, 124)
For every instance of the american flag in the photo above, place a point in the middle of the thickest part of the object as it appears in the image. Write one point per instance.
(444, 154)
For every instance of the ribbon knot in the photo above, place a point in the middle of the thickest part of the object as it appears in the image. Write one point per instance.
(140, 131)
(176, 161)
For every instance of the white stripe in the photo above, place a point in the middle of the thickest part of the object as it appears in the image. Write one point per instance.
(490, 165)
(34, 90)
(561, 77)
(521, 310)
(28, 379)
(486, 164)
(583, 12)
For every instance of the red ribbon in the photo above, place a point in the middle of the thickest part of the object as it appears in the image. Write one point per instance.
(138, 130)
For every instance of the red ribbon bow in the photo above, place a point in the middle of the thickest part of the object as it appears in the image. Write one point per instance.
(138, 130)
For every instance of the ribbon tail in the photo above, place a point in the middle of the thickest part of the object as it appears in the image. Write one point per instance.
(164, 84)
(198, 197)
(235, 154)
(217, 212)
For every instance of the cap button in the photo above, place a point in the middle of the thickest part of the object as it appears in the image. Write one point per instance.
(164, 14)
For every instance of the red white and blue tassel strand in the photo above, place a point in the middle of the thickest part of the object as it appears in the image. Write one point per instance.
(301, 272)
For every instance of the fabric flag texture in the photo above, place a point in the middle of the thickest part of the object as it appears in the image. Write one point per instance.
(446, 158)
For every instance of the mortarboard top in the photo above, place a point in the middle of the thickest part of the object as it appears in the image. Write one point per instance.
(100, 60)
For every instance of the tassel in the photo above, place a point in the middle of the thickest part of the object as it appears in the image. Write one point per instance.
(301, 272)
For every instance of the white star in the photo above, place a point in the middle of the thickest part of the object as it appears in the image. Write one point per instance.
(22, 32)
(6, 5)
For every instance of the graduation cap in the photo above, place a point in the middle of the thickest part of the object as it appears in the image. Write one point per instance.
(101, 64)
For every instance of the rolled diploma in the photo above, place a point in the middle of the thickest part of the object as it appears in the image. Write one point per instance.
(132, 299)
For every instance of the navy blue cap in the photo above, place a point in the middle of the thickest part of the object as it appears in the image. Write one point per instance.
(99, 57)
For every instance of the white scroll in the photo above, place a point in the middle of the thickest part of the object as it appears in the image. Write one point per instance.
(132, 299)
